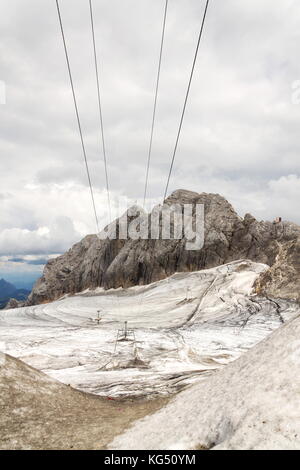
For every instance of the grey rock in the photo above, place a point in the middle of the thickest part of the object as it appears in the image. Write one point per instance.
(283, 278)
(14, 303)
(124, 263)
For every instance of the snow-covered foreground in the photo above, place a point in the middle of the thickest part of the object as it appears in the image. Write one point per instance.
(185, 327)
(253, 403)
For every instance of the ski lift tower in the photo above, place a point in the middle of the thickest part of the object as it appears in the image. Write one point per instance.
(126, 334)
(98, 319)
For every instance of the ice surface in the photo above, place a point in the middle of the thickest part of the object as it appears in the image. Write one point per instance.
(253, 403)
(185, 327)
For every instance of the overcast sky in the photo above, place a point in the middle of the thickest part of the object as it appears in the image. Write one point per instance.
(240, 136)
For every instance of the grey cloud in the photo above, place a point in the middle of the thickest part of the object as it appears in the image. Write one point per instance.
(240, 135)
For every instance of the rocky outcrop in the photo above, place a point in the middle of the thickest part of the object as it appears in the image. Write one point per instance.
(14, 303)
(123, 263)
(283, 278)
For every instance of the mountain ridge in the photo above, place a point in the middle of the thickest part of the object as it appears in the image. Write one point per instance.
(228, 237)
(9, 291)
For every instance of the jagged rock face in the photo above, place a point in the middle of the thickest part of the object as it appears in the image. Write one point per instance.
(123, 263)
(283, 278)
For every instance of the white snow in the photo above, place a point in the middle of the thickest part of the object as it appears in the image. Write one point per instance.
(185, 327)
(253, 403)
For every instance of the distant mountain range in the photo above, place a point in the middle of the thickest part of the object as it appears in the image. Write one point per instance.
(9, 291)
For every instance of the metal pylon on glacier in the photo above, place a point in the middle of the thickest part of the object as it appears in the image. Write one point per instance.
(125, 334)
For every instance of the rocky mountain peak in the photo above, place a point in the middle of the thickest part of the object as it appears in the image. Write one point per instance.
(113, 263)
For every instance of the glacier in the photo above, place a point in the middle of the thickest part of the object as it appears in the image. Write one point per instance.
(185, 328)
